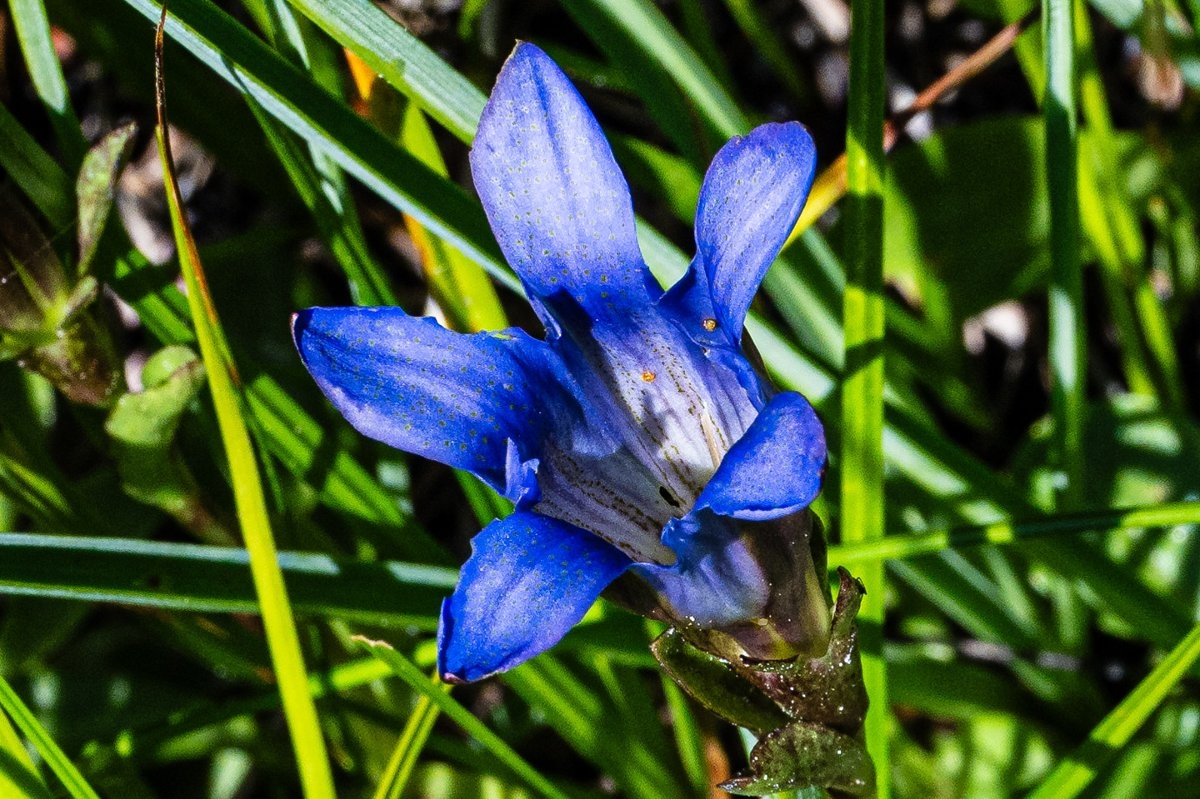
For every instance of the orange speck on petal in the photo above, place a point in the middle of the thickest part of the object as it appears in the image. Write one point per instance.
(709, 324)
(648, 376)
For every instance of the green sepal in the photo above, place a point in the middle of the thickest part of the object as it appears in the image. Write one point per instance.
(715, 685)
(812, 735)
(827, 690)
(84, 294)
(803, 755)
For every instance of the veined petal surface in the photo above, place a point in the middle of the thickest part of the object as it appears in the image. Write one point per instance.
(529, 579)
(412, 384)
(776, 468)
(716, 581)
(747, 534)
(751, 197)
(556, 200)
(656, 392)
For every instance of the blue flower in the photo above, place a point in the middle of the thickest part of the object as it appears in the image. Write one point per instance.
(637, 440)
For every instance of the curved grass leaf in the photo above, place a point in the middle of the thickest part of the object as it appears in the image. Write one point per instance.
(70, 777)
(200, 578)
(283, 639)
(403, 668)
(1076, 772)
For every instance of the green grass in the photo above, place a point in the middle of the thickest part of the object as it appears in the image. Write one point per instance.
(1025, 516)
(863, 505)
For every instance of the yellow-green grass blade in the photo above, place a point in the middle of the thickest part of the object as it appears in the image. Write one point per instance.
(1110, 736)
(18, 775)
(283, 639)
(403, 668)
(412, 740)
(37, 735)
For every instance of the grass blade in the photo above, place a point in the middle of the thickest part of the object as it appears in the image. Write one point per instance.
(283, 639)
(646, 26)
(209, 579)
(58, 762)
(1110, 736)
(862, 500)
(419, 682)
(1068, 358)
(911, 545)
(33, 33)
(402, 59)
(38, 175)
(18, 775)
(412, 739)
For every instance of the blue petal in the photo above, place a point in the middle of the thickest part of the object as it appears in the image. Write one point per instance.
(453, 398)
(529, 579)
(751, 198)
(775, 469)
(554, 196)
(717, 580)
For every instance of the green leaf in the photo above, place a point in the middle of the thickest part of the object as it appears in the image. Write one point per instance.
(711, 682)
(95, 187)
(142, 428)
(283, 639)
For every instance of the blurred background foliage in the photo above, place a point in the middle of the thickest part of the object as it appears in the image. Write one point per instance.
(1031, 644)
